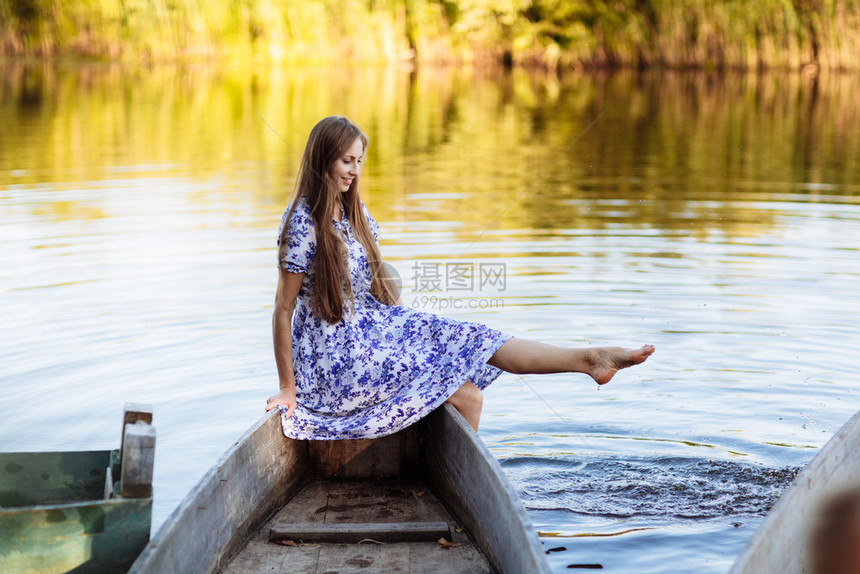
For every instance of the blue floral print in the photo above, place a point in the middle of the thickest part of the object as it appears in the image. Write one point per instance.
(382, 367)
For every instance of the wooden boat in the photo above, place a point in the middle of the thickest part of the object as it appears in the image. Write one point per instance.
(62, 511)
(785, 541)
(273, 504)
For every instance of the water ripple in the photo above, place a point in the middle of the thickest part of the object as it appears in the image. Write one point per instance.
(664, 488)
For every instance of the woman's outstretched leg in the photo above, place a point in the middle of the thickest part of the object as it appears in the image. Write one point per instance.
(522, 356)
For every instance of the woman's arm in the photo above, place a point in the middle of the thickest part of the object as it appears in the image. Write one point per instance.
(282, 337)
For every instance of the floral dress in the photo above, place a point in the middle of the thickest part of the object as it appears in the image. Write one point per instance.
(382, 367)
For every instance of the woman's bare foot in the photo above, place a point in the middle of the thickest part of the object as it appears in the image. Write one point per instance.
(604, 362)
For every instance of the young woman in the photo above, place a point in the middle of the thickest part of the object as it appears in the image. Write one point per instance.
(352, 362)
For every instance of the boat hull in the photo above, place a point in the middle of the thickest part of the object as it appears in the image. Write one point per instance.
(80, 511)
(263, 470)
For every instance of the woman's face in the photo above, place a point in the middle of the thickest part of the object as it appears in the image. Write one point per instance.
(347, 167)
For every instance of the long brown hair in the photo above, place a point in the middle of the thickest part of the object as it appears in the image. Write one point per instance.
(328, 141)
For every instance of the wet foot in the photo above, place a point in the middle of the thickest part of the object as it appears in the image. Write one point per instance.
(606, 361)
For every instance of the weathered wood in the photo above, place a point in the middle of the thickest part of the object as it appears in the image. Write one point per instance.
(263, 557)
(33, 478)
(371, 500)
(98, 536)
(261, 472)
(391, 456)
(359, 501)
(58, 518)
(138, 459)
(249, 483)
(109, 491)
(364, 559)
(462, 559)
(467, 476)
(310, 504)
(352, 533)
(260, 556)
(133, 413)
(783, 541)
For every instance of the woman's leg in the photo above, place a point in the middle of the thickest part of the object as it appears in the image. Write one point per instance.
(469, 400)
(521, 356)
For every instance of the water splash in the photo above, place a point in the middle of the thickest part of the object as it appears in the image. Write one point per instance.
(663, 488)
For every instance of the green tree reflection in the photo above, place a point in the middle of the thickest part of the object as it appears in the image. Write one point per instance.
(468, 150)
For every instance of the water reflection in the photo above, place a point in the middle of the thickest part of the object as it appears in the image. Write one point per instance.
(683, 153)
(716, 216)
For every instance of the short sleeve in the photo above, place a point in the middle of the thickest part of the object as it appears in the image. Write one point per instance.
(374, 227)
(300, 238)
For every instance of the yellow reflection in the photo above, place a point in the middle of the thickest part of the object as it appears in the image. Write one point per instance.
(591, 534)
(483, 153)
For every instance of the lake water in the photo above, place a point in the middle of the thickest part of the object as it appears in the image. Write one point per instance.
(717, 217)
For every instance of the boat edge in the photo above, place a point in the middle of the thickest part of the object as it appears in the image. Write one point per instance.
(829, 472)
(177, 544)
(492, 511)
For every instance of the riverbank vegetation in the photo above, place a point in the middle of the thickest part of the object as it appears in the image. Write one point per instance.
(744, 34)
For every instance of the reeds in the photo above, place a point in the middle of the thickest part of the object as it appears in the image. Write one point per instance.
(748, 34)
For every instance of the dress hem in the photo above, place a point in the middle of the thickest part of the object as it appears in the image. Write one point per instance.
(429, 407)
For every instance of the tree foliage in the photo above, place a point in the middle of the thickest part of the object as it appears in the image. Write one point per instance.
(549, 33)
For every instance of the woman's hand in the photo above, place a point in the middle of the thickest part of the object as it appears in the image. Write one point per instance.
(286, 398)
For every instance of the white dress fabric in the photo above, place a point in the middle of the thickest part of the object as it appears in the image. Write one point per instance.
(381, 368)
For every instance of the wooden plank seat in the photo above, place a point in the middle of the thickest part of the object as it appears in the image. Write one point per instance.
(355, 533)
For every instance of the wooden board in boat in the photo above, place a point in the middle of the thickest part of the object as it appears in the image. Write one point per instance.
(308, 538)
